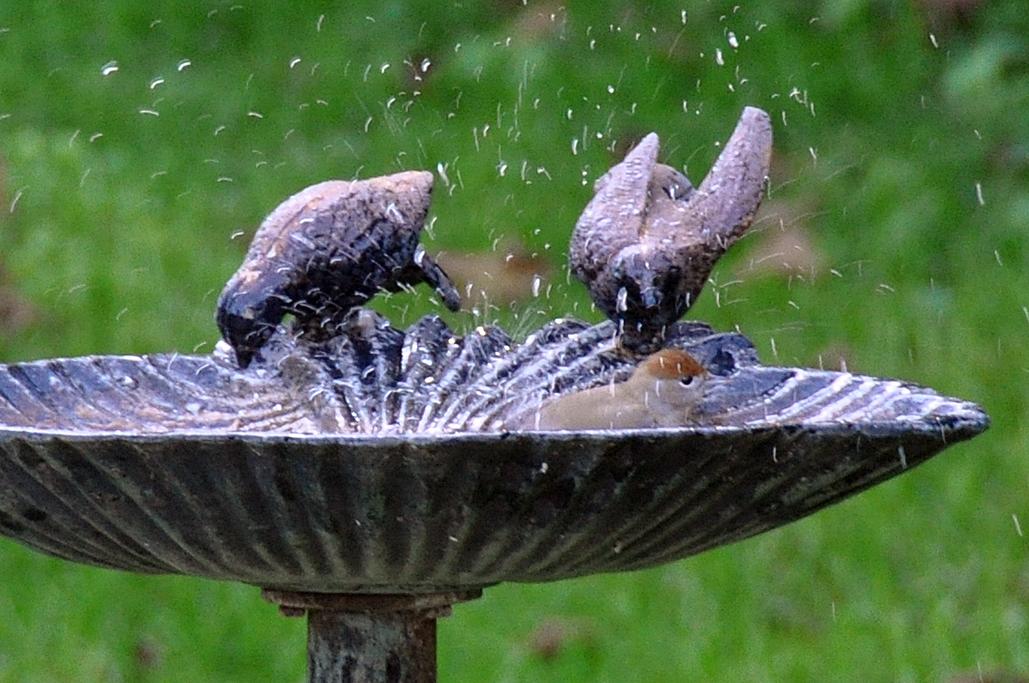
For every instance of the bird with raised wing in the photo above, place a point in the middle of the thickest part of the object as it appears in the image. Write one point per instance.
(647, 241)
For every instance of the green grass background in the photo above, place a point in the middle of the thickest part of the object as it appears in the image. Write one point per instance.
(902, 151)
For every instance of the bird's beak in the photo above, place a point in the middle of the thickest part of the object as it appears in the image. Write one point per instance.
(651, 297)
(243, 358)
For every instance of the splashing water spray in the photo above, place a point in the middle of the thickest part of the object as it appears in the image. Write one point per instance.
(371, 477)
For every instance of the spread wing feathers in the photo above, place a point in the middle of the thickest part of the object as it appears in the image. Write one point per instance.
(379, 380)
(614, 218)
(640, 198)
(709, 219)
(724, 205)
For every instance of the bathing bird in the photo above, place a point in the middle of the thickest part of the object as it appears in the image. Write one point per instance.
(663, 391)
(325, 250)
(647, 241)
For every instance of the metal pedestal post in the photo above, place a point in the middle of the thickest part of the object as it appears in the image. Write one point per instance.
(359, 638)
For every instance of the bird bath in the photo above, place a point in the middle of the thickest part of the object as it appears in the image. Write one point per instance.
(370, 478)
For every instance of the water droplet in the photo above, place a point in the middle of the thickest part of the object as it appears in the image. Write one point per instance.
(183, 65)
(156, 82)
(293, 62)
(17, 196)
(622, 300)
(109, 68)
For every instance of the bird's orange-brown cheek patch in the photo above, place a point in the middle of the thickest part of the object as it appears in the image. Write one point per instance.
(673, 364)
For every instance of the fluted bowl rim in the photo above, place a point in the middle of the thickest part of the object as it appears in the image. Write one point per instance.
(974, 422)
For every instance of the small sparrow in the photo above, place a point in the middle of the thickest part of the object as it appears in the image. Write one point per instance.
(647, 241)
(325, 250)
(663, 391)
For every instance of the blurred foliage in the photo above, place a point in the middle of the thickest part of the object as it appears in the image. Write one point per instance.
(141, 143)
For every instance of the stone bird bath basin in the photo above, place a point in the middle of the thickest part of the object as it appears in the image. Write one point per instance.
(184, 464)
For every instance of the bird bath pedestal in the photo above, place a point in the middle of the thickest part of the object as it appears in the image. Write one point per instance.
(355, 637)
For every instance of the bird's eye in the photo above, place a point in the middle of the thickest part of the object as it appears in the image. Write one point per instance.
(687, 380)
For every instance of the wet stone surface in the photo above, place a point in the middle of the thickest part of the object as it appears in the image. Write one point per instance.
(376, 379)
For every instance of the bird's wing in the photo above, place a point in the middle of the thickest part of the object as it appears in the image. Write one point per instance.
(724, 205)
(614, 218)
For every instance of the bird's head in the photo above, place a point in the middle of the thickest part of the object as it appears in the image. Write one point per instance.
(670, 381)
(652, 290)
(248, 313)
(648, 284)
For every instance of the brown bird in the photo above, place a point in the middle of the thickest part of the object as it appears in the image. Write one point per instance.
(663, 391)
(647, 241)
(325, 250)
